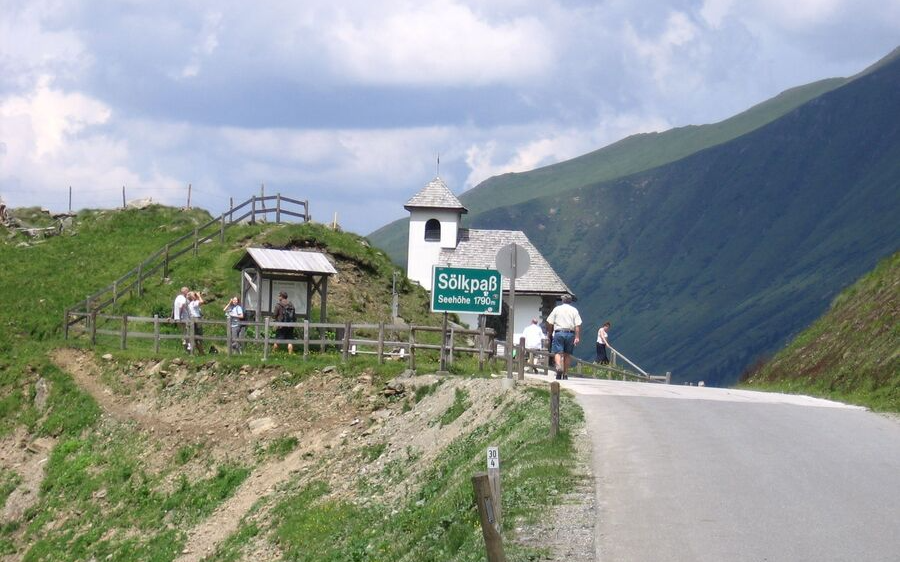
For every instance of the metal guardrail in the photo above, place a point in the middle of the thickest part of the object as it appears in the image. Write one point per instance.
(580, 367)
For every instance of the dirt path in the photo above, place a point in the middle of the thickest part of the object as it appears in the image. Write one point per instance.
(206, 536)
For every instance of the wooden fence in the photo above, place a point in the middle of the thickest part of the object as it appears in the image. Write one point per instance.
(385, 341)
(252, 210)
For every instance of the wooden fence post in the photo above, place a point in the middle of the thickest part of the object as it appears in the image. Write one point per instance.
(140, 280)
(166, 263)
(306, 338)
(192, 336)
(668, 377)
(124, 331)
(222, 229)
(266, 339)
(306, 218)
(345, 351)
(196, 241)
(554, 409)
(66, 324)
(156, 334)
(450, 350)
(278, 208)
(229, 337)
(253, 210)
(521, 363)
(412, 348)
(115, 291)
(381, 343)
(93, 327)
(493, 542)
(481, 342)
(443, 356)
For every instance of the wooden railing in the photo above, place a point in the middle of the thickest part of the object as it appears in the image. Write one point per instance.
(386, 341)
(525, 358)
(251, 210)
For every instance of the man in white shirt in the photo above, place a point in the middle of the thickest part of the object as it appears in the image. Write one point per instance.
(534, 338)
(565, 324)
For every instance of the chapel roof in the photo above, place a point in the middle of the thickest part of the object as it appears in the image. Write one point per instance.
(478, 249)
(435, 195)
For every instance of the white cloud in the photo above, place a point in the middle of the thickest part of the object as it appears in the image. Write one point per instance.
(665, 55)
(437, 43)
(29, 48)
(350, 102)
(47, 118)
(543, 147)
(52, 139)
(205, 46)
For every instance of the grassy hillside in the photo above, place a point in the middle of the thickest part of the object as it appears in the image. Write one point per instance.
(851, 353)
(709, 262)
(156, 456)
(628, 156)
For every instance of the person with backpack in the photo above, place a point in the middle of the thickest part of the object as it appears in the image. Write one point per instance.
(284, 312)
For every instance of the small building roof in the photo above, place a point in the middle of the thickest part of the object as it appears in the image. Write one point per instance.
(287, 261)
(435, 195)
(478, 249)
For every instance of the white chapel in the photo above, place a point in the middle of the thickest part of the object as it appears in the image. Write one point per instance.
(436, 237)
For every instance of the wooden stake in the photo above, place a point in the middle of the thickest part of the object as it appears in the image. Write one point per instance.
(493, 542)
(554, 409)
(189, 196)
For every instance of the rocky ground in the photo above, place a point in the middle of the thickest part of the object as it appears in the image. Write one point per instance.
(336, 420)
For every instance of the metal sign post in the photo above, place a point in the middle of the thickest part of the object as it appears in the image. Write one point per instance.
(513, 262)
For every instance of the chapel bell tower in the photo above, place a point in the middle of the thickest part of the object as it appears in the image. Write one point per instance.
(434, 217)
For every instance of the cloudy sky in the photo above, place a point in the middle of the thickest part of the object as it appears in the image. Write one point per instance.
(348, 103)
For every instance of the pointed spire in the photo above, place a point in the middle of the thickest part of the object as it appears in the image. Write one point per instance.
(435, 195)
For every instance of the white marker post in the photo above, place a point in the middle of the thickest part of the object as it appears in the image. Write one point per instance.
(493, 470)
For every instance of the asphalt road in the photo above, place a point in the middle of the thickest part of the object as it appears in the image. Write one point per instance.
(702, 474)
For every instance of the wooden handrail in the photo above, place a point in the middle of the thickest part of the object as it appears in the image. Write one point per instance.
(146, 268)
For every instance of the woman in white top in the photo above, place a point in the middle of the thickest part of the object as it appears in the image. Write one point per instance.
(602, 342)
(194, 302)
(235, 313)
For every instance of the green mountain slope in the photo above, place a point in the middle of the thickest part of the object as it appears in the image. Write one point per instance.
(704, 264)
(628, 156)
(852, 352)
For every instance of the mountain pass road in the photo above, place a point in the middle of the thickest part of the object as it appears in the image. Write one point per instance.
(704, 474)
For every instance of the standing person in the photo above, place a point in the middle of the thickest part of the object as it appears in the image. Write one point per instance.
(284, 312)
(180, 315)
(235, 313)
(194, 302)
(534, 339)
(602, 342)
(565, 323)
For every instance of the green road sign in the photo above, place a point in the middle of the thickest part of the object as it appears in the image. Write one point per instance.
(461, 289)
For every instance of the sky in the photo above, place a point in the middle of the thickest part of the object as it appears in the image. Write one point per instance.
(350, 104)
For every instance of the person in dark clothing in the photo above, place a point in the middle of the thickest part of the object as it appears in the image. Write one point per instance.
(284, 312)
